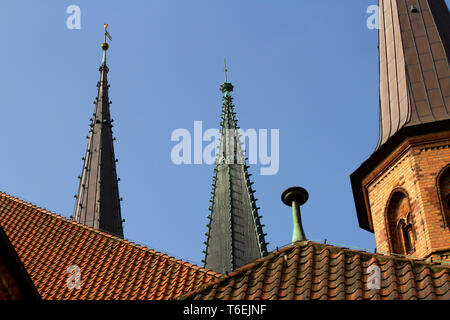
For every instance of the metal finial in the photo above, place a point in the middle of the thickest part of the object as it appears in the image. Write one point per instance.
(106, 32)
(226, 87)
(225, 69)
(105, 45)
(294, 197)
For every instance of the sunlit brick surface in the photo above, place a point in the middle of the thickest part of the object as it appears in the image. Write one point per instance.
(416, 172)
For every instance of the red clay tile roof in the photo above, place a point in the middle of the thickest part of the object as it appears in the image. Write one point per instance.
(111, 268)
(307, 270)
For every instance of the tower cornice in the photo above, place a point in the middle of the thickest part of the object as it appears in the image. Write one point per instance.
(414, 51)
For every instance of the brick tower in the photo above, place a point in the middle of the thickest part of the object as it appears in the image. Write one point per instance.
(402, 192)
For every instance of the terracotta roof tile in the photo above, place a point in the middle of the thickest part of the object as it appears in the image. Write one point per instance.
(111, 268)
(308, 270)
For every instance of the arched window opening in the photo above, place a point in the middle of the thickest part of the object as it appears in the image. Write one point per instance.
(407, 238)
(444, 193)
(401, 231)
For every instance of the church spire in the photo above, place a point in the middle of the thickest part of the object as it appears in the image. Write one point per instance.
(414, 48)
(235, 236)
(402, 191)
(98, 202)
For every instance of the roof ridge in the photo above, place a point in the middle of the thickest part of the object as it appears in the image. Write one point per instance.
(108, 235)
(379, 257)
(238, 271)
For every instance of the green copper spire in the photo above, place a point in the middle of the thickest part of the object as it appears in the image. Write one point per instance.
(226, 86)
(235, 236)
(225, 70)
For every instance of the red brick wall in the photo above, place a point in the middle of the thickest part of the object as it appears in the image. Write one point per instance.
(444, 186)
(415, 171)
(398, 209)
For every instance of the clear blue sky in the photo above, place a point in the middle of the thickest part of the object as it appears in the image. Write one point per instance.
(308, 68)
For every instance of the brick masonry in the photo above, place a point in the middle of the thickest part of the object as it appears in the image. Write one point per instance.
(415, 172)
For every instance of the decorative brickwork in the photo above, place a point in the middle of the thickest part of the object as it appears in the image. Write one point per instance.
(406, 201)
(443, 184)
(400, 229)
(402, 191)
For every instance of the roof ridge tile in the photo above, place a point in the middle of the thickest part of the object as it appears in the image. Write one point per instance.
(319, 271)
(82, 227)
(48, 243)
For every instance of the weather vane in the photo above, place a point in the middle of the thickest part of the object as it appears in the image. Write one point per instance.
(107, 33)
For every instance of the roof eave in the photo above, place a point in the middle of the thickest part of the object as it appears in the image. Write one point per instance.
(357, 177)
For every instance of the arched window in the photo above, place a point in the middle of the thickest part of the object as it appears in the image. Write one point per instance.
(399, 224)
(443, 185)
(407, 238)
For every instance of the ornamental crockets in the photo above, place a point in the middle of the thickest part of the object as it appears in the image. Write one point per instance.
(235, 236)
(98, 202)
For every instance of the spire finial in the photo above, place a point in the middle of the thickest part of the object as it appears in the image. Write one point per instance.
(226, 87)
(294, 197)
(225, 69)
(105, 45)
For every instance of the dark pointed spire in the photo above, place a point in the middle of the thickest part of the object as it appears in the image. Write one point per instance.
(414, 50)
(235, 236)
(98, 202)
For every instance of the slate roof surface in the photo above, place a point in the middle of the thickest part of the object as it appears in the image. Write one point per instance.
(307, 270)
(110, 267)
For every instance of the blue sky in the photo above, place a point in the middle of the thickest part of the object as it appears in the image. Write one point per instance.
(307, 68)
